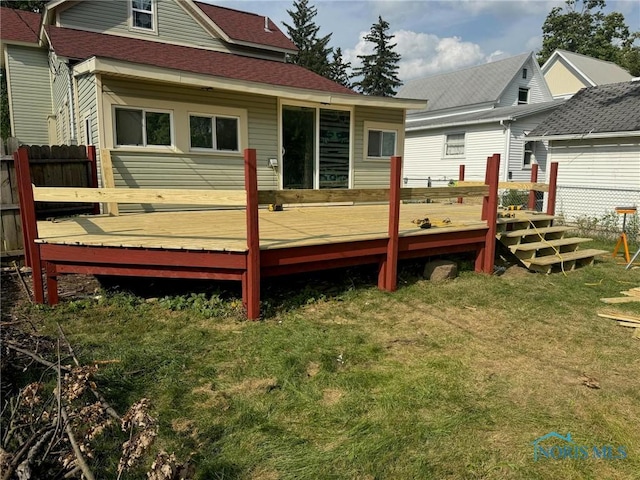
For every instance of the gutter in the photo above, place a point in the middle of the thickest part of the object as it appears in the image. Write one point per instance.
(455, 124)
(583, 136)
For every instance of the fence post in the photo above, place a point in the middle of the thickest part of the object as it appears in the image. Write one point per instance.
(532, 193)
(251, 276)
(493, 172)
(29, 221)
(553, 187)
(390, 264)
(461, 179)
(93, 173)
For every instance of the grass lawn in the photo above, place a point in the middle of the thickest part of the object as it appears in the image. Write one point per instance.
(450, 380)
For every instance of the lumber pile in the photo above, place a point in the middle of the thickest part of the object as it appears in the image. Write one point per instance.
(625, 319)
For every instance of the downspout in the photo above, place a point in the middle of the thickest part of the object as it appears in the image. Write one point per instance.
(507, 147)
(72, 114)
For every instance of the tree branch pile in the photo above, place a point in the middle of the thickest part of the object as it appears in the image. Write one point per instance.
(54, 418)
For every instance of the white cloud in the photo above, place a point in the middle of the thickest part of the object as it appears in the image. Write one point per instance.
(424, 54)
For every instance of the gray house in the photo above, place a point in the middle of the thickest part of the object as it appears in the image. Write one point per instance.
(176, 90)
(473, 113)
(595, 138)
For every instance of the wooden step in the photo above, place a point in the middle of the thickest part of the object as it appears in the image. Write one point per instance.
(558, 242)
(524, 218)
(566, 257)
(534, 231)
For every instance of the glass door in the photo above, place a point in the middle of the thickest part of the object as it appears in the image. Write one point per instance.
(334, 148)
(299, 146)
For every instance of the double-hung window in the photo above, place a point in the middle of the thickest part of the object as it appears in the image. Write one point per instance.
(381, 143)
(143, 15)
(523, 96)
(140, 127)
(454, 145)
(528, 155)
(219, 133)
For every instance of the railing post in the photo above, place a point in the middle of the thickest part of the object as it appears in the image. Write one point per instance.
(251, 276)
(461, 179)
(553, 187)
(391, 261)
(93, 173)
(493, 172)
(29, 221)
(532, 193)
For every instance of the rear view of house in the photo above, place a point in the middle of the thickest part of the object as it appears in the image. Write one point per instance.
(176, 90)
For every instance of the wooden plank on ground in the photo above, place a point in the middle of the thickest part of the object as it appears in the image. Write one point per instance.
(620, 299)
(139, 195)
(634, 292)
(629, 324)
(619, 316)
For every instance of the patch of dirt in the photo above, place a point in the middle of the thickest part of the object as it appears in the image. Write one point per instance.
(182, 425)
(515, 271)
(253, 386)
(211, 398)
(264, 473)
(313, 369)
(331, 396)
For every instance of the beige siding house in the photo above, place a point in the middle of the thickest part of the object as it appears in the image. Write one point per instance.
(176, 90)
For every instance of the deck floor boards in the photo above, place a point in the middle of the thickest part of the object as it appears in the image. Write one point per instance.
(225, 230)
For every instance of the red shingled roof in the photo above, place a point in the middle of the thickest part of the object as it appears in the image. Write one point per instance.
(246, 27)
(80, 45)
(18, 25)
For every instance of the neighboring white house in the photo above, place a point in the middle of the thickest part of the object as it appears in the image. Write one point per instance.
(472, 114)
(595, 138)
(568, 72)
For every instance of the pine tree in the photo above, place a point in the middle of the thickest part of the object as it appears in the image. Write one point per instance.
(379, 70)
(313, 52)
(339, 70)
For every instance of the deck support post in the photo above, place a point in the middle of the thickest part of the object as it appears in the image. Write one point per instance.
(52, 283)
(93, 174)
(29, 221)
(390, 264)
(461, 179)
(251, 276)
(532, 193)
(490, 212)
(553, 187)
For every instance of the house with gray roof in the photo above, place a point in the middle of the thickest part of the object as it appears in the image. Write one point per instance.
(567, 72)
(595, 138)
(472, 114)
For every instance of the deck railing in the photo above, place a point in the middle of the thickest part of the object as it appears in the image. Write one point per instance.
(250, 198)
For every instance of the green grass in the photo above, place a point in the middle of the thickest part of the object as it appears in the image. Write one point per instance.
(451, 380)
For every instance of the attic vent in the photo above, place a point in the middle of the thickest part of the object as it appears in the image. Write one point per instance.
(266, 25)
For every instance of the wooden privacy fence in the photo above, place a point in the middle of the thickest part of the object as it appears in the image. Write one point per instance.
(55, 166)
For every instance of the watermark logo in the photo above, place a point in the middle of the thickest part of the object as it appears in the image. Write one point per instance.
(554, 446)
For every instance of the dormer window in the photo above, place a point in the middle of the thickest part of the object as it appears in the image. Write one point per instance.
(523, 96)
(143, 15)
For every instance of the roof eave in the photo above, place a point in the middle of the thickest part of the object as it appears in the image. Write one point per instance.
(154, 73)
(585, 136)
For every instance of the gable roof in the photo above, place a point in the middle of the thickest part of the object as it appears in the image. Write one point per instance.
(595, 111)
(246, 28)
(470, 86)
(510, 113)
(594, 71)
(81, 45)
(19, 25)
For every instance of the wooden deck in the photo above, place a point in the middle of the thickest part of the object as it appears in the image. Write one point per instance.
(225, 230)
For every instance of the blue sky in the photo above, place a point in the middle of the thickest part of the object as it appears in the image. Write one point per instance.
(433, 36)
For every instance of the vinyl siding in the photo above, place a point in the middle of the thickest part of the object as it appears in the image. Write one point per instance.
(562, 81)
(195, 170)
(516, 149)
(30, 95)
(595, 176)
(373, 173)
(60, 96)
(174, 23)
(534, 82)
(424, 154)
(87, 104)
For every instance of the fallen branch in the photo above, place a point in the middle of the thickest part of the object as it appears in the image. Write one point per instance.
(76, 449)
(22, 282)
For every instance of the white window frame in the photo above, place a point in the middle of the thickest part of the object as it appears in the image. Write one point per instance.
(87, 125)
(382, 127)
(154, 18)
(523, 89)
(532, 158)
(447, 142)
(145, 145)
(213, 117)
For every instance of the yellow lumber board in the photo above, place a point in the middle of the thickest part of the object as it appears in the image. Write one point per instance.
(108, 180)
(328, 195)
(620, 299)
(139, 195)
(538, 187)
(436, 193)
(629, 324)
(633, 292)
(621, 317)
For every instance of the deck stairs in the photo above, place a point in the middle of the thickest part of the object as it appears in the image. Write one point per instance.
(541, 246)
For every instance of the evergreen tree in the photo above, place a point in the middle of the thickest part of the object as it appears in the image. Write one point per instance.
(36, 6)
(339, 70)
(582, 27)
(313, 52)
(379, 70)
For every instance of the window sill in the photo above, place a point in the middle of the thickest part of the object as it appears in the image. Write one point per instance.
(378, 159)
